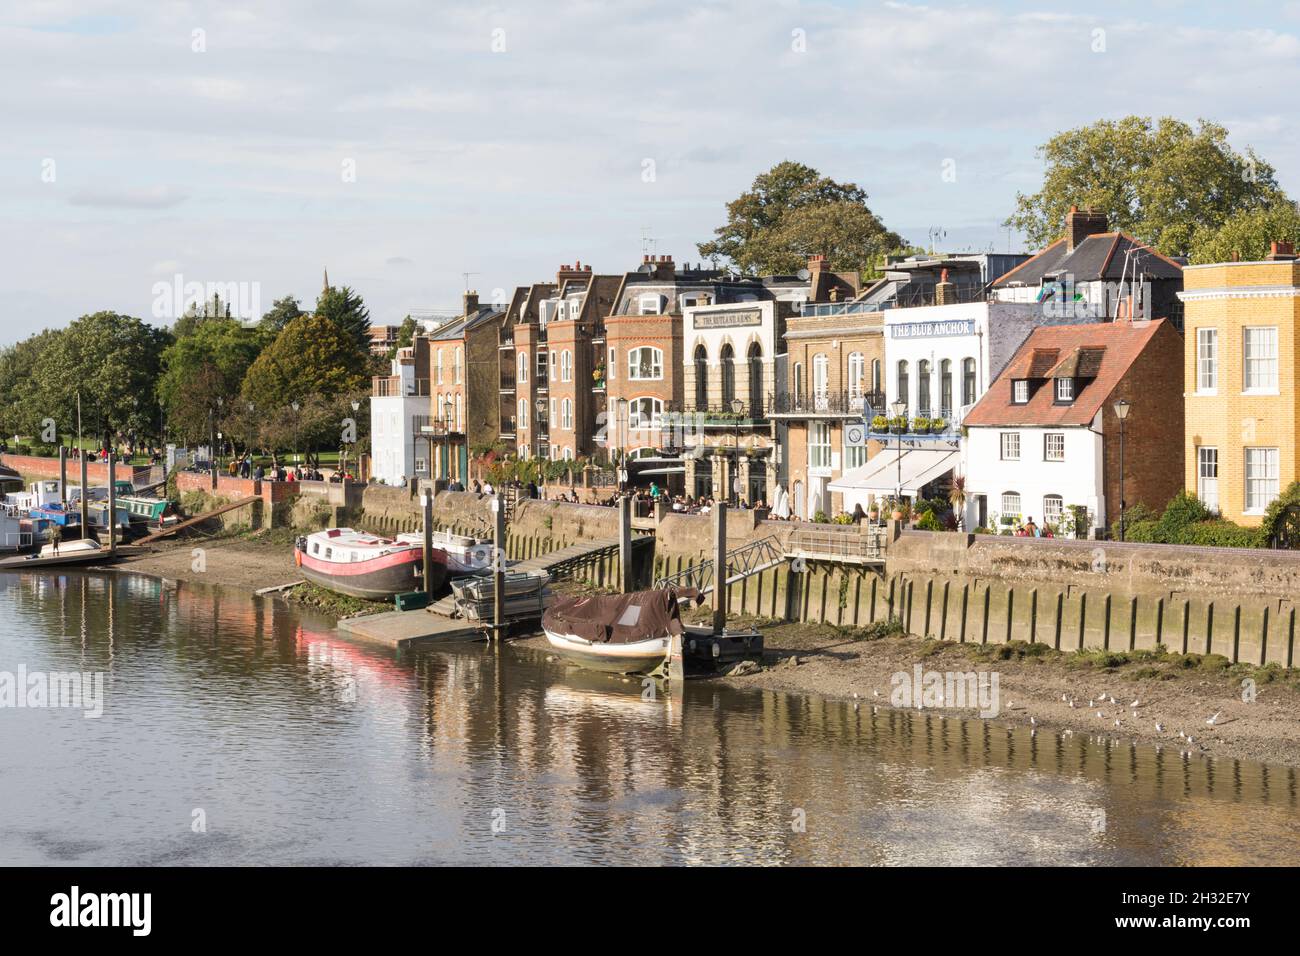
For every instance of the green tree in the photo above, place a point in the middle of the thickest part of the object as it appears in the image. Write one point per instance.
(346, 310)
(405, 336)
(1249, 234)
(1161, 181)
(113, 362)
(20, 405)
(312, 356)
(792, 211)
(283, 311)
(202, 368)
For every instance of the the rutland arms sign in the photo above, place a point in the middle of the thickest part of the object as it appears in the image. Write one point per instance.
(728, 319)
(929, 330)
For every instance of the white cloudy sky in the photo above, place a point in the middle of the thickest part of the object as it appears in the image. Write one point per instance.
(227, 165)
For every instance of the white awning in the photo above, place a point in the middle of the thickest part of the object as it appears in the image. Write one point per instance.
(681, 470)
(880, 475)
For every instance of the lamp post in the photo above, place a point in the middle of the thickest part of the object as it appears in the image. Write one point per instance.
(1121, 412)
(737, 408)
(446, 436)
(621, 427)
(898, 408)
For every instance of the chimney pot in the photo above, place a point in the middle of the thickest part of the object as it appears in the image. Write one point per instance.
(1282, 252)
(1080, 224)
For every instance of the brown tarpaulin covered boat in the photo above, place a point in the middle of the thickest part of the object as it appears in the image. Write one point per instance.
(624, 633)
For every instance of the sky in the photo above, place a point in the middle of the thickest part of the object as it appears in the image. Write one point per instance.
(401, 144)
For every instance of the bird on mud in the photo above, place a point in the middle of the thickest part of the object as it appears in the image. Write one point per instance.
(1072, 705)
(1181, 735)
(1136, 703)
(1159, 728)
(1213, 720)
(1101, 715)
(1117, 722)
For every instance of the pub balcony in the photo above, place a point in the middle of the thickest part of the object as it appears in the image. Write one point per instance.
(826, 404)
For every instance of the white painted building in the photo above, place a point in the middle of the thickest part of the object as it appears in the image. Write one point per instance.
(397, 402)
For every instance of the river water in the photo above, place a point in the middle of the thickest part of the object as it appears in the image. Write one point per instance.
(236, 730)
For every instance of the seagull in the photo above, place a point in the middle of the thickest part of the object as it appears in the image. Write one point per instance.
(1063, 697)
(1190, 739)
(1072, 705)
(1100, 714)
(1182, 735)
(1160, 728)
(1033, 722)
(1213, 720)
(855, 695)
(1135, 703)
(1117, 722)
(1091, 702)
(855, 706)
(875, 693)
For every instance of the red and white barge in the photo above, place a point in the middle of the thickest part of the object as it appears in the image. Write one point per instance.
(365, 565)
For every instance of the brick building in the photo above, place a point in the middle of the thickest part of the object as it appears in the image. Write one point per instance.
(463, 386)
(1239, 377)
(1044, 441)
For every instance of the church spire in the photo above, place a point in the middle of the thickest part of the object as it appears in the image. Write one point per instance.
(327, 281)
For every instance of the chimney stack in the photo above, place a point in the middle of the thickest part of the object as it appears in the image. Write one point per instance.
(945, 291)
(1080, 224)
(1282, 252)
(664, 267)
(470, 302)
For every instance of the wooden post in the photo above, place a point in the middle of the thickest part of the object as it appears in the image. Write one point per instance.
(626, 584)
(426, 501)
(112, 502)
(63, 476)
(719, 566)
(499, 568)
(85, 498)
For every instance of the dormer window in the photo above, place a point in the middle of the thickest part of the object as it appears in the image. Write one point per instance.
(1019, 391)
(1065, 390)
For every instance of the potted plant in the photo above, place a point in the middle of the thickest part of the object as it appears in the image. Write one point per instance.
(920, 424)
(898, 425)
(938, 425)
(879, 424)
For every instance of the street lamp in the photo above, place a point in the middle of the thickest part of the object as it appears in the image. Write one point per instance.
(620, 427)
(897, 409)
(1121, 412)
(446, 436)
(737, 408)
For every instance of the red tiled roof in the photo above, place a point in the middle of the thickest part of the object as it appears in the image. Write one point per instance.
(1097, 355)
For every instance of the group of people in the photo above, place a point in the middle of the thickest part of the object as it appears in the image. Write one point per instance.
(1031, 530)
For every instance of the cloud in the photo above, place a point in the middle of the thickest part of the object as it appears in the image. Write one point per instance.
(129, 197)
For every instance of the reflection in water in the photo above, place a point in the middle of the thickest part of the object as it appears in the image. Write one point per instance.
(292, 746)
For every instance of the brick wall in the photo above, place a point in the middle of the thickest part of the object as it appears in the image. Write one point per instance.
(95, 471)
(627, 332)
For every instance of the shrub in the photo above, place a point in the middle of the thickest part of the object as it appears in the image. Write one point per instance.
(886, 627)
(930, 522)
(821, 518)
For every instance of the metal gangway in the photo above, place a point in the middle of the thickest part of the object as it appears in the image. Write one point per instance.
(743, 562)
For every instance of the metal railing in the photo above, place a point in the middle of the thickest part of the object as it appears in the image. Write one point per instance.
(849, 545)
(827, 403)
(507, 425)
(390, 386)
(742, 562)
(507, 382)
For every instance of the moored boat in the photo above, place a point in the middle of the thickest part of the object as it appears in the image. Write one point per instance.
(363, 565)
(621, 633)
(464, 555)
(80, 551)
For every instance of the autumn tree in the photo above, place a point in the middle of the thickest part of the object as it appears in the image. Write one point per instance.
(1249, 235)
(792, 211)
(1163, 181)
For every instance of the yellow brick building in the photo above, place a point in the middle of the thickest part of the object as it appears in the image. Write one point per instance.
(1242, 413)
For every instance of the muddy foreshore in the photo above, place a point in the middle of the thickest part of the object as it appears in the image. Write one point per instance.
(1175, 692)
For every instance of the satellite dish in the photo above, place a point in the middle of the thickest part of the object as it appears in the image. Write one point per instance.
(646, 268)
(804, 274)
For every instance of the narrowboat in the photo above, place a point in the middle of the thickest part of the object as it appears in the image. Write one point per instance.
(364, 565)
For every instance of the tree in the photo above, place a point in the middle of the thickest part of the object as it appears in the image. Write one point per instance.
(283, 311)
(345, 309)
(1248, 235)
(20, 405)
(201, 368)
(1162, 182)
(405, 336)
(792, 211)
(113, 362)
(312, 356)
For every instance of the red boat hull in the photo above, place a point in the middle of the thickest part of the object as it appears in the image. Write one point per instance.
(376, 579)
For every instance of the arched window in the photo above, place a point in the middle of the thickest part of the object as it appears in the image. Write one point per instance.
(904, 393)
(643, 413)
(1011, 504)
(968, 381)
(945, 389)
(755, 380)
(522, 374)
(821, 381)
(701, 377)
(857, 372)
(645, 364)
(521, 421)
(566, 414)
(876, 382)
(566, 366)
(728, 375)
(798, 384)
(923, 388)
(1053, 508)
